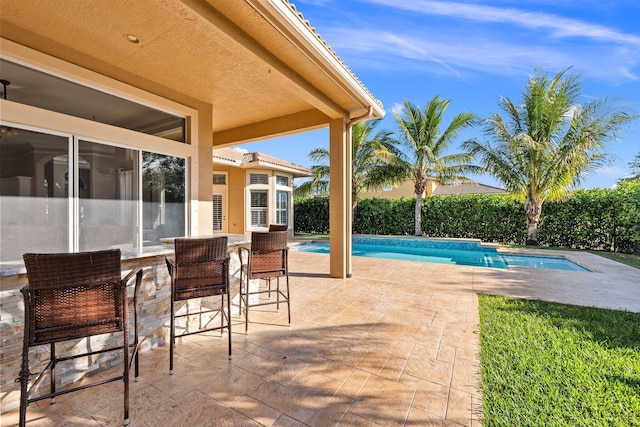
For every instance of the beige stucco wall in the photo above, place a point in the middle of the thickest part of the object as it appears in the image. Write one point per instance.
(236, 201)
(238, 197)
(235, 197)
(404, 189)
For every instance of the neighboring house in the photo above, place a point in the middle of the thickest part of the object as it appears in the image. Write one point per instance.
(252, 190)
(469, 188)
(406, 189)
(112, 109)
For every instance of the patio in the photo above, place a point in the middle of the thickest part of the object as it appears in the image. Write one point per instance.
(395, 345)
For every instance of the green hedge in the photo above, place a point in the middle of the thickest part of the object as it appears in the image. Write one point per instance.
(311, 215)
(382, 216)
(598, 219)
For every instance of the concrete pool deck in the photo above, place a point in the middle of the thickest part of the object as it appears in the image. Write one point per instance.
(396, 345)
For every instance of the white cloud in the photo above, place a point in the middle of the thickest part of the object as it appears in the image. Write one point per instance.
(449, 54)
(612, 171)
(451, 49)
(240, 150)
(559, 26)
(396, 108)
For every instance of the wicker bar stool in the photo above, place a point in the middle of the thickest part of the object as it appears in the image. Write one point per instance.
(72, 296)
(267, 259)
(200, 269)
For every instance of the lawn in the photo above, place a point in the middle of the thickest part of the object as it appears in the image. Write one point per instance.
(548, 364)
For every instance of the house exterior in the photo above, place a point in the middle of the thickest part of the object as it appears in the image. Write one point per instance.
(406, 189)
(252, 191)
(111, 110)
(468, 188)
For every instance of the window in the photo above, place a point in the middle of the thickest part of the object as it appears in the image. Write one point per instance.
(89, 103)
(107, 194)
(34, 203)
(258, 178)
(219, 179)
(282, 207)
(54, 201)
(282, 180)
(259, 208)
(217, 212)
(60, 192)
(164, 205)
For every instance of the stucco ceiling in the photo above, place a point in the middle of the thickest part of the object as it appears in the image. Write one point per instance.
(237, 55)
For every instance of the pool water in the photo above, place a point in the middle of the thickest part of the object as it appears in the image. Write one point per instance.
(444, 252)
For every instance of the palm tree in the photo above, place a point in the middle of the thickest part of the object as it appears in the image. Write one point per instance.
(634, 166)
(424, 157)
(373, 157)
(544, 146)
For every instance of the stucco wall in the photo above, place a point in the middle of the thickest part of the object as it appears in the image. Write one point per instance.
(237, 217)
(404, 189)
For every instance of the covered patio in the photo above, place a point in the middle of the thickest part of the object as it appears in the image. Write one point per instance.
(229, 72)
(395, 345)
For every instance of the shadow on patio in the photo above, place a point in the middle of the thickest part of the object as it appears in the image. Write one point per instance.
(396, 350)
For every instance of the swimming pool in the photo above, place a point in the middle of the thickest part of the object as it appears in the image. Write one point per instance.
(440, 251)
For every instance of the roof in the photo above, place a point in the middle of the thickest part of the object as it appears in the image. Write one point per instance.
(231, 157)
(467, 188)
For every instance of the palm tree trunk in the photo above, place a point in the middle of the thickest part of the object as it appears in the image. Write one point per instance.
(533, 209)
(354, 205)
(418, 215)
(420, 185)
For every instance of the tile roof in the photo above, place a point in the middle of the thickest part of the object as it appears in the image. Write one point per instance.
(330, 50)
(257, 160)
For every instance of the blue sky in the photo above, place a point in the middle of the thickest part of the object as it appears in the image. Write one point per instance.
(473, 52)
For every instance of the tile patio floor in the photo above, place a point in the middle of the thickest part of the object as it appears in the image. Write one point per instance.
(396, 345)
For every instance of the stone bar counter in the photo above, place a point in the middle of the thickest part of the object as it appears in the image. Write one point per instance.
(153, 318)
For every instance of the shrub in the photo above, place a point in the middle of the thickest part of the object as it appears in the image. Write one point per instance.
(311, 215)
(384, 216)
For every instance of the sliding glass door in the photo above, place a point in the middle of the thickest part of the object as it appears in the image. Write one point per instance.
(59, 193)
(107, 189)
(34, 203)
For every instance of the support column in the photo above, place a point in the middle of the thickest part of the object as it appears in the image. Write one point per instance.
(349, 200)
(201, 171)
(339, 199)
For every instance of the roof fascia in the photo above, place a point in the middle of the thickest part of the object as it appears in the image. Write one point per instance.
(280, 126)
(289, 21)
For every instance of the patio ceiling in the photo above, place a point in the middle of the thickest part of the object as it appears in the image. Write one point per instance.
(257, 62)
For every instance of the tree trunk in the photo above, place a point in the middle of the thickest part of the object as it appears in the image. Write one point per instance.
(533, 209)
(418, 215)
(354, 205)
(420, 185)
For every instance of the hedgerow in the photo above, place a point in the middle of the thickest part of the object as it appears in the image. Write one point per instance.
(596, 219)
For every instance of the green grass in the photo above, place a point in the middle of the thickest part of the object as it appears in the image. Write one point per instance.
(547, 364)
